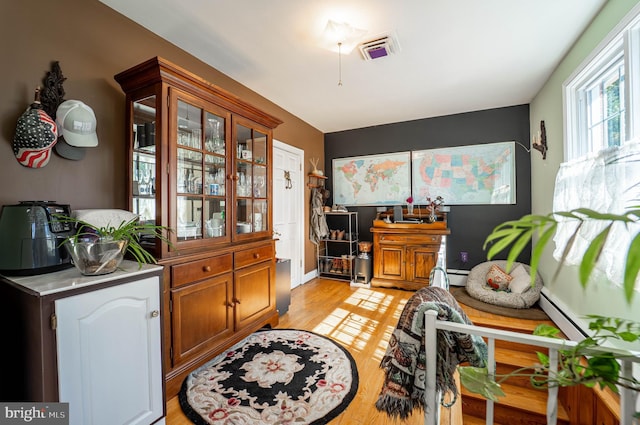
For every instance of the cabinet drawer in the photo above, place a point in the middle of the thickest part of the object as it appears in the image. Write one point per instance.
(193, 271)
(252, 256)
(419, 239)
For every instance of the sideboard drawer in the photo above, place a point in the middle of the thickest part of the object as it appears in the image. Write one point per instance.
(409, 239)
(194, 271)
(256, 255)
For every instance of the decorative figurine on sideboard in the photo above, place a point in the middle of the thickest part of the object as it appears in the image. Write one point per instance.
(433, 206)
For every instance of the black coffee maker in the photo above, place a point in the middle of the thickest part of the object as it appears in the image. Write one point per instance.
(31, 238)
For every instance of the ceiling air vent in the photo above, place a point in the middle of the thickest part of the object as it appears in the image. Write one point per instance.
(380, 47)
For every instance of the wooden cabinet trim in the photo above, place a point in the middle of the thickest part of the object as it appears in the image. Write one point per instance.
(254, 293)
(190, 335)
(158, 69)
(408, 239)
(256, 255)
(186, 273)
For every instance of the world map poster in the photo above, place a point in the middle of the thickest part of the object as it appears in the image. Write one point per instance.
(463, 175)
(372, 179)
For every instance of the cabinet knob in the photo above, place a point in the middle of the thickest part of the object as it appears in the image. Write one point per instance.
(256, 255)
(236, 301)
(206, 268)
(232, 177)
(229, 304)
(155, 313)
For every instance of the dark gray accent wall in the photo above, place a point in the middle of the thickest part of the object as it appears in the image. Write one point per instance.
(469, 224)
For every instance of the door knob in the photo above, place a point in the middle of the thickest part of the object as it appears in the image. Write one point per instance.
(155, 313)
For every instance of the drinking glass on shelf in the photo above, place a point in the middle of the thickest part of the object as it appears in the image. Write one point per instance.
(218, 146)
(196, 136)
(258, 186)
(145, 188)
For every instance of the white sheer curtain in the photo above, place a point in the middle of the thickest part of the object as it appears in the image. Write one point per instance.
(608, 181)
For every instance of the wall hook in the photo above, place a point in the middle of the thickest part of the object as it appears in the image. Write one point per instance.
(540, 141)
(287, 178)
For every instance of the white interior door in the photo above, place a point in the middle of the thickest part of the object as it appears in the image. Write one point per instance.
(110, 355)
(288, 207)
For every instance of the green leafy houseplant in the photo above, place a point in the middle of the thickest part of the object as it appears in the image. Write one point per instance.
(578, 365)
(518, 234)
(130, 232)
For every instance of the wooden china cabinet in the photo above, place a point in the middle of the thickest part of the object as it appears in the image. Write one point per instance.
(200, 163)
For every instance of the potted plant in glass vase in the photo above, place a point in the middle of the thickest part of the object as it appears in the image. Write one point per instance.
(99, 249)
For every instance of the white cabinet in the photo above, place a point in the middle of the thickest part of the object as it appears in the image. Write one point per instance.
(91, 341)
(109, 354)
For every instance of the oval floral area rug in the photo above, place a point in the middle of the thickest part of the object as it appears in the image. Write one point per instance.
(274, 376)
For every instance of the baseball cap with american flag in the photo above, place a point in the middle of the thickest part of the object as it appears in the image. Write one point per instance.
(36, 134)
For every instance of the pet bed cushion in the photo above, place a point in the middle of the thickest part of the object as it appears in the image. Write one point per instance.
(497, 278)
(477, 286)
(521, 280)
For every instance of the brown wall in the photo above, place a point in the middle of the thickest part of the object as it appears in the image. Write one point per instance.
(93, 43)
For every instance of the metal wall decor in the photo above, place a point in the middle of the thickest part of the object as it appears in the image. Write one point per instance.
(540, 141)
(52, 94)
(287, 180)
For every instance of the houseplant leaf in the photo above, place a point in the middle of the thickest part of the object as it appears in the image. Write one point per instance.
(518, 247)
(502, 243)
(477, 380)
(592, 254)
(536, 252)
(632, 267)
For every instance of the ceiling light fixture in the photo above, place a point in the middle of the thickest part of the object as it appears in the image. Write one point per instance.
(341, 37)
(339, 63)
(340, 32)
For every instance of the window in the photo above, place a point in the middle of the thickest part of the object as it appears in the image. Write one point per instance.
(602, 148)
(604, 107)
(601, 106)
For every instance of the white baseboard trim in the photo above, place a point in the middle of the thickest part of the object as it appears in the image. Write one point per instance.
(309, 276)
(559, 313)
(457, 277)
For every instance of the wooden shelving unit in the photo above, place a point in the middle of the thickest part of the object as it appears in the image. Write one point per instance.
(315, 180)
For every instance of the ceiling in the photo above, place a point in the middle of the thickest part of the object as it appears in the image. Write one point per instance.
(455, 55)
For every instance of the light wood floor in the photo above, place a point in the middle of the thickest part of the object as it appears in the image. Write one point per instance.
(361, 320)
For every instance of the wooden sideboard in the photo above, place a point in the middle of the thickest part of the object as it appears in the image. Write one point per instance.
(405, 253)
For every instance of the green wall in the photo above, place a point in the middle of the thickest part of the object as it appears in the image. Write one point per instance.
(599, 297)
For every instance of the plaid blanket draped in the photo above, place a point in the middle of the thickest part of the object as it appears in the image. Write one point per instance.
(404, 362)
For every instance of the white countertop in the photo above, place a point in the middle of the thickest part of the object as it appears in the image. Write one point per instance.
(71, 278)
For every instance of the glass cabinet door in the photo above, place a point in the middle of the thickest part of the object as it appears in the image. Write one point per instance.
(215, 176)
(252, 180)
(200, 173)
(143, 189)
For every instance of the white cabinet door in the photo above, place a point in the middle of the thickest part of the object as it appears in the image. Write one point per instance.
(109, 354)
